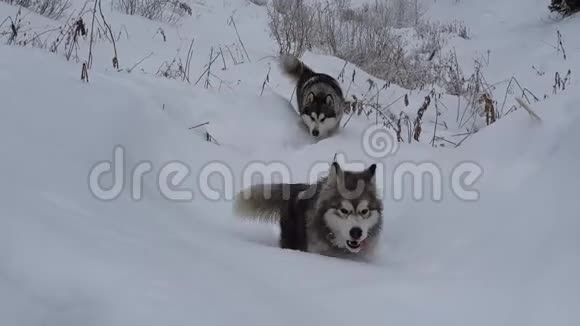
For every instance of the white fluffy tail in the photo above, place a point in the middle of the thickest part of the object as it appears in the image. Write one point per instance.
(261, 202)
(265, 202)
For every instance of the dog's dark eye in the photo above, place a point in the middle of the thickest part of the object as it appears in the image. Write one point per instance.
(322, 119)
(344, 211)
(364, 211)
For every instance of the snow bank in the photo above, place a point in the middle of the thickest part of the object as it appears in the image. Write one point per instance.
(67, 258)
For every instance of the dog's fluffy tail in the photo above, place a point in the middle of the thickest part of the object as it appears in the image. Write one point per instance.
(265, 202)
(295, 68)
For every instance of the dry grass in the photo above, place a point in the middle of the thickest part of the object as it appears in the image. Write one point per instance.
(368, 37)
(418, 120)
(53, 9)
(489, 108)
(167, 11)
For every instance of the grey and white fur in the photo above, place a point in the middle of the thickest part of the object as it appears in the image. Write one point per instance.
(340, 215)
(319, 97)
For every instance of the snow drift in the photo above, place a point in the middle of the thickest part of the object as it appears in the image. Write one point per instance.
(511, 257)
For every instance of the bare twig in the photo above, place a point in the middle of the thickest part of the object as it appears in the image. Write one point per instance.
(461, 142)
(525, 105)
(207, 83)
(266, 80)
(561, 44)
(199, 125)
(207, 69)
(188, 60)
(90, 60)
(139, 62)
(489, 108)
(418, 120)
(436, 121)
(223, 59)
(233, 22)
(524, 91)
(116, 56)
(84, 73)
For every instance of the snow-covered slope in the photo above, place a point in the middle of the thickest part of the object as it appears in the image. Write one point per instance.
(512, 257)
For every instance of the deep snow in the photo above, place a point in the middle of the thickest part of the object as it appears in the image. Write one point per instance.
(66, 258)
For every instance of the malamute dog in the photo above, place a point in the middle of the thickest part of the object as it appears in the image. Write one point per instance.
(319, 97)
(339, 216)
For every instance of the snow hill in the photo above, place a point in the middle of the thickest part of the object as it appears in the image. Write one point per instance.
(511, 257)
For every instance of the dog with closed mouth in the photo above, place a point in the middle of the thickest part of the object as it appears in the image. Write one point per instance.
(319, 97)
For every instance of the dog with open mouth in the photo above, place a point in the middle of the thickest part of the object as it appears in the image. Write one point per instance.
(339, 216)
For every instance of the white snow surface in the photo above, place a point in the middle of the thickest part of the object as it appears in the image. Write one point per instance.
(512, 257)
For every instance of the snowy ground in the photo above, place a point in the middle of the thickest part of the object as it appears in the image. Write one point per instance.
(512, 257)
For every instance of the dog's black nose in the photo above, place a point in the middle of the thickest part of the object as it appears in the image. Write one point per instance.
(315, 133)
(356, 233)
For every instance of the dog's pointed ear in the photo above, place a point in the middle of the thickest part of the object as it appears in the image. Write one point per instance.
(329, 100)
(310, 98)
(335, 172)
(371, 170)
(371, 173)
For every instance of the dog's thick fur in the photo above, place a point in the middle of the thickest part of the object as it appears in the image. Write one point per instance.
(319, 97)
(320, 217)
